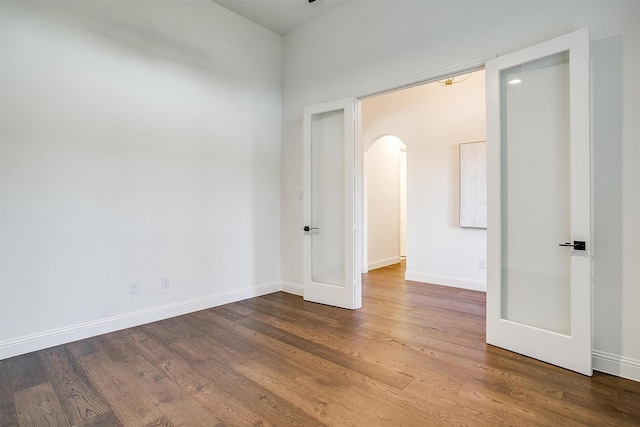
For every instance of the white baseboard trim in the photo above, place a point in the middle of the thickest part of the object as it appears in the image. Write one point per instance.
(29, 343)
(384, 262)
(619, 366)
(456, 282)
(292, 288)
(603, 362)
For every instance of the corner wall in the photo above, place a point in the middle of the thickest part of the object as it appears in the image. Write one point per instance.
(139, 140)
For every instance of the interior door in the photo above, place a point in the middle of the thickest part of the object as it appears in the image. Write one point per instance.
(331, 270)
(539, 253)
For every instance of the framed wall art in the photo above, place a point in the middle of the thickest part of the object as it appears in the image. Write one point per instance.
(473, 185)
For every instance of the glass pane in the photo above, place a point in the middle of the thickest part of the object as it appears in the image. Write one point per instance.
(536, 273)
(327, 198)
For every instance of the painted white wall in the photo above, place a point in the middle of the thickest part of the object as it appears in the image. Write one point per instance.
(433, 120)
(383, 200)
(139, 140)
(364, 45)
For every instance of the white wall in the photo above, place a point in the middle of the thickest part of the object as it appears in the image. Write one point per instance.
(383, 199)
(433, 120)
(368, 44)
(139, 140)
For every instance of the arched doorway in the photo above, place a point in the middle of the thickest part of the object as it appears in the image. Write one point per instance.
(385, 197)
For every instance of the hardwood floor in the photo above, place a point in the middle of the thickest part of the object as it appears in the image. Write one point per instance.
(414, 355)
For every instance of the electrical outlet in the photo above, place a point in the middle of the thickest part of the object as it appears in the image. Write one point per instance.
(482, 263)
(133, 287)
(164, 282)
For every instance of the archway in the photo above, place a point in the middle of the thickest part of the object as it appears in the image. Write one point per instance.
(385, 160)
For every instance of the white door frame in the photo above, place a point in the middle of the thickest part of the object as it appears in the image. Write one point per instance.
(434, 75)
(423, 78)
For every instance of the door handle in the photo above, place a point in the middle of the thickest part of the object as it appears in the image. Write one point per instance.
(577, 245)
(307, 228)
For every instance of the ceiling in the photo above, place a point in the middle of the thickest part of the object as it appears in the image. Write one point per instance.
(281, 16)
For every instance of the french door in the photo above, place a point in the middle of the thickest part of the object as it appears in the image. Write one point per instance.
(539, 233)
(331, 269)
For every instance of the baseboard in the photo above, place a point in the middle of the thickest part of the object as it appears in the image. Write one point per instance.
(456, 282)
(292, 288)
(384, 262)
(619, 366)
(602, 362)
(29, 343)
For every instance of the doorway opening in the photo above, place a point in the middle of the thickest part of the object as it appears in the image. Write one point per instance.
(430, 120)
(453, 261)
(385, 167)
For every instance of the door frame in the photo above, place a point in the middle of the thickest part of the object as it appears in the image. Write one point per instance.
(427, 77)
(416, 80)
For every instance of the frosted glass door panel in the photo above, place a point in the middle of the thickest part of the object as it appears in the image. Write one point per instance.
(329, 237)
(328, 198)
(536, 194)
(539, 198)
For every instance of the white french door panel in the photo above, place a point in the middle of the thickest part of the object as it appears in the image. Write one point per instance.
(331, 268)
(538, 142)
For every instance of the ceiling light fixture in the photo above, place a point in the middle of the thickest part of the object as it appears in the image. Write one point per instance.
(515, 81)
(452, 80)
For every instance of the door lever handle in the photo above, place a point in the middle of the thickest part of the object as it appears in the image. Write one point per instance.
(577, 245)
(307, 228)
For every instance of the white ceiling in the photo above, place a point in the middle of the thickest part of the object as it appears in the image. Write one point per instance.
(280, 16)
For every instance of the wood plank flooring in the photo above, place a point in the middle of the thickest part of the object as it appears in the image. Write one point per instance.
(414, 355)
